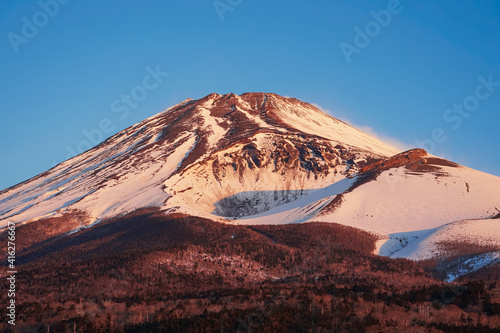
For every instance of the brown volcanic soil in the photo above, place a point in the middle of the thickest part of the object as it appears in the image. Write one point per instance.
(414, 159)
(332, 205)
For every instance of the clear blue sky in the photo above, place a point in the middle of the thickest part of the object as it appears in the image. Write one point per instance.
(64, 66)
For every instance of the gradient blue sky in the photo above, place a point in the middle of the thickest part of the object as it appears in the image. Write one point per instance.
(63, 79)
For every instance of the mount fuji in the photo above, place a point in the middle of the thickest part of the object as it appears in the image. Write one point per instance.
(259, 158)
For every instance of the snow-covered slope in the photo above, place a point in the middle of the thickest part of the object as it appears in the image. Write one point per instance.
(463, 246)
(426, 244)
(402, 198)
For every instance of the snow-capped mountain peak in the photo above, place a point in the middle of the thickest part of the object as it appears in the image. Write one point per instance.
(259, 158)
(138, 166)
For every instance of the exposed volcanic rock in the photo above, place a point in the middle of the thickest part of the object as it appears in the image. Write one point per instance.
(416, 161)
(257, 174)
(410, 159)
(413, 159)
